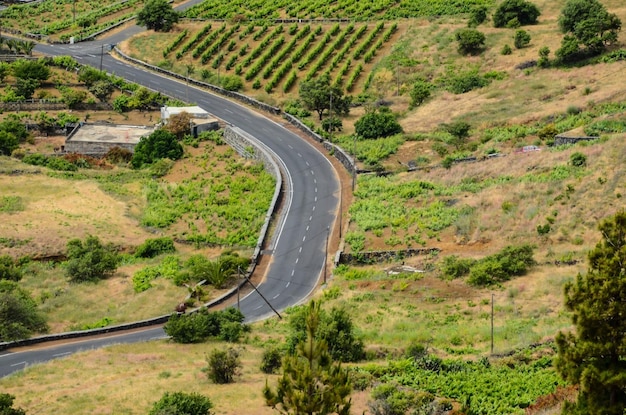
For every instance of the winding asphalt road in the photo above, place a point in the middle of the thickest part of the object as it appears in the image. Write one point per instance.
(298, 247)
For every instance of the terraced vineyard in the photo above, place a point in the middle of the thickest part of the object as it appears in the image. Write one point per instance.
(275, 58)
(363, 10)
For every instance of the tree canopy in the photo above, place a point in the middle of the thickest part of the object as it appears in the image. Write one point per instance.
(158, 145)
(593, 355)
(6, 405)
(378, 123)
(157, 15)
(318, 95)
(30, 70)
(311, 382)
(514, 13)
(588, 28)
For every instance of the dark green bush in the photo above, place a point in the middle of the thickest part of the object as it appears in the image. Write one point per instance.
(506, 50)
(578, 159)
(271, 360)
(223, 366)
(519, 11)
(199, 326)
(377, 124)
(521, 39)
(455, 267)
(154, 247)
(470, 41)
(182, 403)
(500, 267)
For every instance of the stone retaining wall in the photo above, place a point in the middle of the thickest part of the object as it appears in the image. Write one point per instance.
(383, 256)
(560, 140)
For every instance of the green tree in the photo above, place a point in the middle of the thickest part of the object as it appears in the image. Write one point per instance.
(317, 94)
(90, 260)
(8, 143)
(5, 69)
(593, 355)
(470, 41)
(6, 405)
(157, 15)
(420, 92)
(72, 97)
(30, 70)
(102, 89)
(377, 123)
(175, 403)
(513, 13)
(26, 87)
(521, 39)
(19, 316)
(311, 382)
(158, 145)
(459, 130)
(223, 366)
(586, 24)
(90, 76)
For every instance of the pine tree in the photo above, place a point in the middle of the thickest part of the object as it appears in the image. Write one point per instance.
(594, 356)
(312, 383)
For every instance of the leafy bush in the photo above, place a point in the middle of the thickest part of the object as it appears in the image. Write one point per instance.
(19, 316)
(454, 267)
(271, 360)
(521, 39)
(158, 145)
(500, 267)
(201, 325)
(154, 247)
(578, 159)
(223, 366)
(376, 124)
(6, 405)
(118, 155)
(182, 403)
(471, 41)
(8, 269)
(506, 50)
(231, 83)
(512, 13)
(478, 15)
(90, 260)
(464, 81)
(420, 92)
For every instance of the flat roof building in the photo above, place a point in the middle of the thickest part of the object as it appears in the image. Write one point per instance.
(98, 139)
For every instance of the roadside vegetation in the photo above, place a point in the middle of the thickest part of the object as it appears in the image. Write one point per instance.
(454, 121)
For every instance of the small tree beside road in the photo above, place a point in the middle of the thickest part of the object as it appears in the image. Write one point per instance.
(157, 15)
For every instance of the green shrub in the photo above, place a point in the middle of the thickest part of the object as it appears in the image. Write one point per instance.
(506, 50)
(470, 41)
(154, 247)
(578, 159)
(478, 15)
(454, 267)
(201, 325)
(521, 39)
(182, 403)
(512, 13)
(90, 260)
(376, 124)
(223, 366)
(500, 267)
(464, 81)
(271, 360)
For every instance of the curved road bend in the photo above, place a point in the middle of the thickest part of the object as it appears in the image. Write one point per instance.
(299, 245)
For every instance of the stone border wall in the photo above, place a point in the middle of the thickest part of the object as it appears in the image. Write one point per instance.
(361, 258)
(560, 140)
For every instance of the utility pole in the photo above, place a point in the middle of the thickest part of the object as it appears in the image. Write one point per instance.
(238, 285)
(330, 116)
(326, 253)
(101, 56)
(354, 162)
(340, 208)
(492, 323)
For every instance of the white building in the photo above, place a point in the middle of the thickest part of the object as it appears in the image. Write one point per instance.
(201, 119)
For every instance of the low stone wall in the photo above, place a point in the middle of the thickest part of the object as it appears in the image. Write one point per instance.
(383, 256)
(560, 140)
(240, 140)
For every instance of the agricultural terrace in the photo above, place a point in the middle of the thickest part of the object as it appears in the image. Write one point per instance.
(271, 58)
(364, 10)
(62, 19)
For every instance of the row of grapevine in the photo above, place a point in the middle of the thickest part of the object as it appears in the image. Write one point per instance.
(356, 72)
(329, 51)
(192, 42)
(364, 46)
(256, 52)
(281, 56)
(175, 43)
(319, 48)
(216, 46)
(263, 59)
(199, 50)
